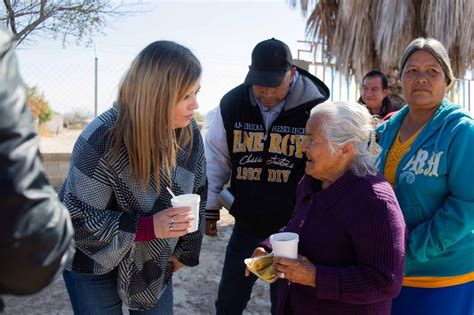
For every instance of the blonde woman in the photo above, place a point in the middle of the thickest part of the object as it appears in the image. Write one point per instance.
(129, 239)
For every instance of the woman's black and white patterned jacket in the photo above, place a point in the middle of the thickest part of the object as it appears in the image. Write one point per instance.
(106, 201)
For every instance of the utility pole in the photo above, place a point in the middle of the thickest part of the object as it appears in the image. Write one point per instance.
(96, 61)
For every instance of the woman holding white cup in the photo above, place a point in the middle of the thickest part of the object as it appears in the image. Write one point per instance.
(350, 229)
(129, 237)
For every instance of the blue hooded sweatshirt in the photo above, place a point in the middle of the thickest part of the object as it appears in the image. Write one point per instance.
(434, 184)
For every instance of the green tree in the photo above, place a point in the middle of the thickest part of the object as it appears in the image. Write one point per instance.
(77, 19)
(199, 117)
(39, 106)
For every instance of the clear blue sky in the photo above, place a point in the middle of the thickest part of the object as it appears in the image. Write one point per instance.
(221, 33)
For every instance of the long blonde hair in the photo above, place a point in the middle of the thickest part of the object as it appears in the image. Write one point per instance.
(156, 81)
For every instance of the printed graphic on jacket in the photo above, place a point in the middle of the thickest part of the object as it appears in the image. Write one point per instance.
(284, 141)
(422, 163)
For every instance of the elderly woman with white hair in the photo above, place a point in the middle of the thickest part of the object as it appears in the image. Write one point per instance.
(351, 229)
(428, 157)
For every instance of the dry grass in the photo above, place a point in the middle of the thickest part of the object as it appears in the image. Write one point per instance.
(43, 132)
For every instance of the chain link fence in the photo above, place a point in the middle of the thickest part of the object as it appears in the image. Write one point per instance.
(309, 56)
(70, 80)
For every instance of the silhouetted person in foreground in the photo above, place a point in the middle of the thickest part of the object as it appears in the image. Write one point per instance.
(36, 235)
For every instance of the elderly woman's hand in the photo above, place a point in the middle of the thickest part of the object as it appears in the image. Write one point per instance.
(259, 251)
(299, 270)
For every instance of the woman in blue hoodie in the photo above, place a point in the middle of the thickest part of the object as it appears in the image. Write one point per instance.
(427, 154)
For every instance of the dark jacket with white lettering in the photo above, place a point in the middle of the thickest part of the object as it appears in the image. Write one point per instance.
(267, 165)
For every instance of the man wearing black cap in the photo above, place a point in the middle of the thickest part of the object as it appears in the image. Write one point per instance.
(256, 141)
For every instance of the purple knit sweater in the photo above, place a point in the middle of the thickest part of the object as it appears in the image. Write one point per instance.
(354, 232)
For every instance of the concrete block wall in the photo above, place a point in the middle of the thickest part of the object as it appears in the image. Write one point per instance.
(56, 167)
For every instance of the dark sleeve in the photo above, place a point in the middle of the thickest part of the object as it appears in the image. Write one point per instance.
(36, 236)
(378, 238)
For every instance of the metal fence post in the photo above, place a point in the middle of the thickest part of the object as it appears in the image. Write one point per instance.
(95, 85)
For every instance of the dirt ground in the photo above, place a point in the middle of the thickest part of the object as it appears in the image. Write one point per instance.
(195, 289)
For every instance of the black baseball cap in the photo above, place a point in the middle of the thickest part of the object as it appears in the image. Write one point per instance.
(271, 59)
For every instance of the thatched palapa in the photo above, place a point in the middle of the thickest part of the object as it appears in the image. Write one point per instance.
(362, 35)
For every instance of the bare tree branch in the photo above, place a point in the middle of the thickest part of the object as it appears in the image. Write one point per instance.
(77, 19)
(10, 15)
